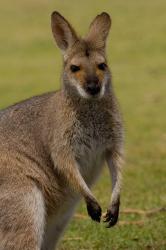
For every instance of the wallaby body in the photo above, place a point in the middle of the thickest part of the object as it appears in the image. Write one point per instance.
(53, 147)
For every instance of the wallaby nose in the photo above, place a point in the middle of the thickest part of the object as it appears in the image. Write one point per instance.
(93, 86)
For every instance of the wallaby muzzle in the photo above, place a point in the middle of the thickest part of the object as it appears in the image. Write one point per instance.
(93, 86)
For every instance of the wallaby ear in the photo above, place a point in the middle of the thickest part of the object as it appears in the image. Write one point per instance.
(99, 30)
(64, 34)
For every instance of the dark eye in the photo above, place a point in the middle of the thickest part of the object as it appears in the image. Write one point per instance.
(102, 66)
(74, 68)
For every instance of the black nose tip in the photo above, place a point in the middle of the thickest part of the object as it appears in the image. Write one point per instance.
(93, 89)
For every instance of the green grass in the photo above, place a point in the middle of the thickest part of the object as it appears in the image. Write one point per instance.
(30, 64)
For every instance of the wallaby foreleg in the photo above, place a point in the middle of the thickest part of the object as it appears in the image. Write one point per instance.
(69, 168)
(114, 161)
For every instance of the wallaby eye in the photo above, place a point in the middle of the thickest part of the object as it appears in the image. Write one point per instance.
(74, 68)
(102, 66)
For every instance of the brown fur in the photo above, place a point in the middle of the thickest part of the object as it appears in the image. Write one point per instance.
(52, 147)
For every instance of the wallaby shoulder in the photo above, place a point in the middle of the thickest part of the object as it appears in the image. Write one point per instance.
(22, 127)
(30, 105)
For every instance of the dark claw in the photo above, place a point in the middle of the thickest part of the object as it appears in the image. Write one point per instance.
(112, 220)
(112, 215)
(94, 211)
(106, 218)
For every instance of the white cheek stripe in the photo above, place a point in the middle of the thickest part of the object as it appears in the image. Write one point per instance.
(102, 92)
(103, 89)
(81, 91)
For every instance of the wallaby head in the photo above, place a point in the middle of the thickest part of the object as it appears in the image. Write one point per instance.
(86, 72)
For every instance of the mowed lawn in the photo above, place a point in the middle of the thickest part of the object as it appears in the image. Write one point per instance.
(30, 64)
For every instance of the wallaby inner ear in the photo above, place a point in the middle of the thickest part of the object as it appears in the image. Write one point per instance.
(64, 34)
(99, 30)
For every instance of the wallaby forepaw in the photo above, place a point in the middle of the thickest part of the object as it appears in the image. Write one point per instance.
(112, 215)
(94, 211)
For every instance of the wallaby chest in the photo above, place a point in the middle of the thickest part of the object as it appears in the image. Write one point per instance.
(91, 134)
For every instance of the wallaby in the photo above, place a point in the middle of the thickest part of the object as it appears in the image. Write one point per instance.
(53, 146)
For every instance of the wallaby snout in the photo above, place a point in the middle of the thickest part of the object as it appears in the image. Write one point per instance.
(88, 75)
(93, 86)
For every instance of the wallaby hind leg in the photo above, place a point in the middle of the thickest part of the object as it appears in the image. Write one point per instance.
(21, 217)
(55, 229)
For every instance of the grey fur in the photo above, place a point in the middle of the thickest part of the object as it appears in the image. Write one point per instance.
(52, 149)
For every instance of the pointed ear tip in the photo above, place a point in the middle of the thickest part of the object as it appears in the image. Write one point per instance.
(55, 14)
(106, 15)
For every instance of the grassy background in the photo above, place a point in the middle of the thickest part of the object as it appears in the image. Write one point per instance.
(30, 64)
